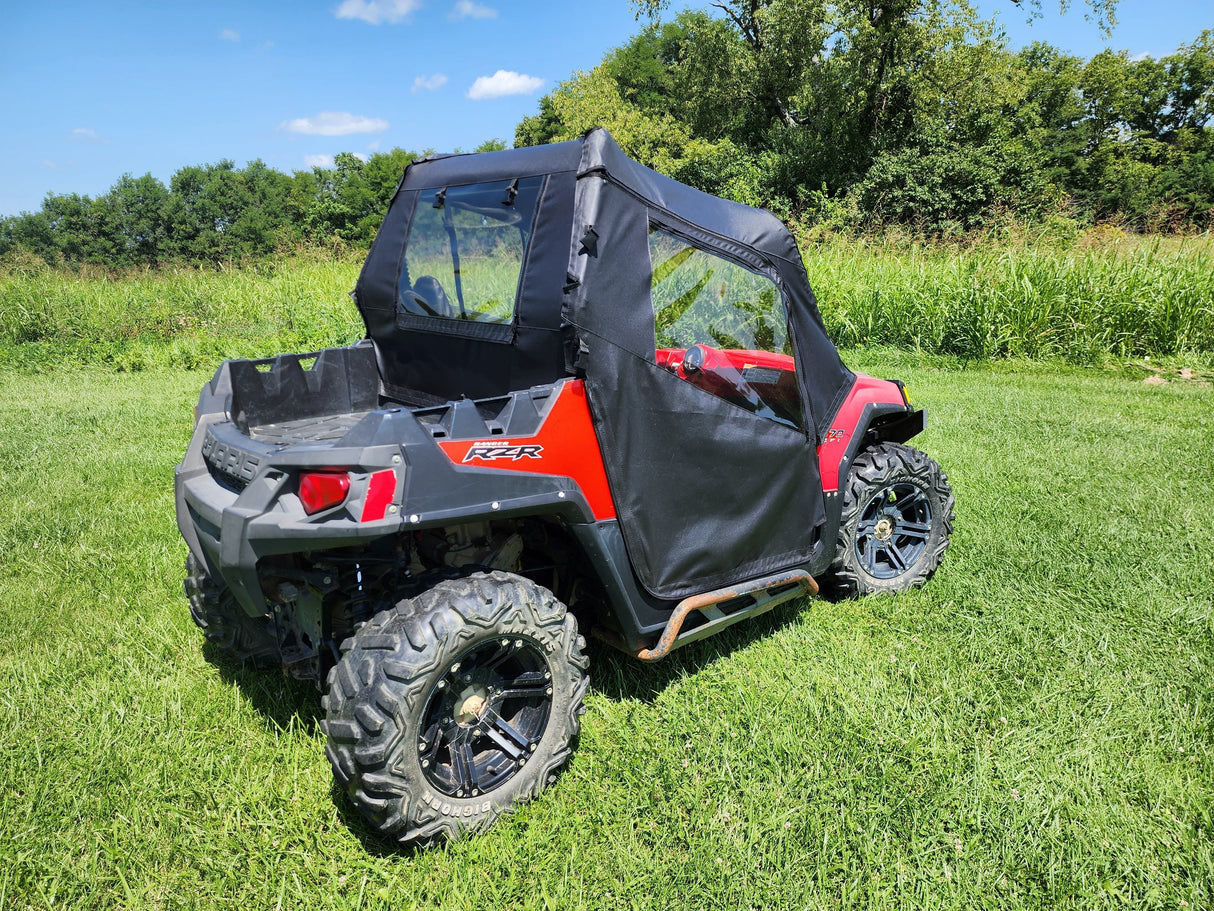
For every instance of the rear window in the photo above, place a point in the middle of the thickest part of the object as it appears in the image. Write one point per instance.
(465, 251)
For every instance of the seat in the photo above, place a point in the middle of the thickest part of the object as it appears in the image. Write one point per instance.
(426, 298)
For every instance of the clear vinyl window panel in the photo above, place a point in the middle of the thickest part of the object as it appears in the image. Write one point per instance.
(465, 251)
(722, 326)
(699, 297)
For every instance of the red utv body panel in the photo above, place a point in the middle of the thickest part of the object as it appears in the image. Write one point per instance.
(866, 390)
(564, 445)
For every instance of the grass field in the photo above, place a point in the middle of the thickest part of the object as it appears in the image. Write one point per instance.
(1094, 299)
(1032, 729)
(1087, 299)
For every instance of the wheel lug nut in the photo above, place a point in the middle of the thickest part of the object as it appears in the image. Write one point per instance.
(532, 746)
(425, 763)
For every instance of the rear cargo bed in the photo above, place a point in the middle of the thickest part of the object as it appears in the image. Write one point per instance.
(321, 429)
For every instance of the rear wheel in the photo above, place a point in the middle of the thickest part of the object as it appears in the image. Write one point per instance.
(215, 610)
(896, 521)
(454, 706)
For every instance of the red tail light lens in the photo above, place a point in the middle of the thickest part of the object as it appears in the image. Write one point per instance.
(323, 489)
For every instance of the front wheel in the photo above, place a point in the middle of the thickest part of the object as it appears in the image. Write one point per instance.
(896, 521)
(454, 706)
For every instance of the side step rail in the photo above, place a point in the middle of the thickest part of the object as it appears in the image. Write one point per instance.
(722, 609)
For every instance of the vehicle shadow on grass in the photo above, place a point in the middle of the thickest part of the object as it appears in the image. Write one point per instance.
(288, 704)
(619, 676)
(372, 842)
(283, 702)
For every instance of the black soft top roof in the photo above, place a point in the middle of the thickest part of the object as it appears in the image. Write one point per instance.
(752, 227)
(549, 303)
(598, 152)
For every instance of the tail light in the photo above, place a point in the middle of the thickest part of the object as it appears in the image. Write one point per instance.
(323, 489)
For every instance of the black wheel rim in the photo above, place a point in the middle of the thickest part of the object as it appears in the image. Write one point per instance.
(893, 531)
(485, 716)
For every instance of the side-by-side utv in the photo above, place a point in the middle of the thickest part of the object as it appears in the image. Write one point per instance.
(589, 398)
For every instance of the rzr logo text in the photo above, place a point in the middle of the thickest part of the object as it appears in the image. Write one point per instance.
(490, 452)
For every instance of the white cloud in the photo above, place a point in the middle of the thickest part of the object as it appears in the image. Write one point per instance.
(429, 83)
(334, 123)
(86, 134)
(1138, 58)
(49, 165)
(267, 45)
(229, 35)
(376, 11)
(503, 83)
(469, 9)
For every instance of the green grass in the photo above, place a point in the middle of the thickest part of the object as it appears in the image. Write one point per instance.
(179, 317)
(1032, 729)
(1084, 301)
(1099, 298)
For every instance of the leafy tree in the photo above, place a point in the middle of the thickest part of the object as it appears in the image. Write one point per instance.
(539, 129)
(219, 213)
(130, 227)
(348, 201)
(265, 222)
(207, 201)
(28, 231)
(792, 93)
(1049, 113)
(1148, 133)
(906, 110)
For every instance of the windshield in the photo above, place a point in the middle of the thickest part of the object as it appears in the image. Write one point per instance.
(465, 251)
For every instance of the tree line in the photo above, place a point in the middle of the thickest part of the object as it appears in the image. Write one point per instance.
(214, 213)
(210, 213)
(853, 114)
(865, 113)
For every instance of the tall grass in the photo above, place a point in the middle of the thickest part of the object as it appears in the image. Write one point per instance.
(1079, 299)
(183, 317)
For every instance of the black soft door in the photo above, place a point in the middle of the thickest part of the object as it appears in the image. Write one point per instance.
(697, 407)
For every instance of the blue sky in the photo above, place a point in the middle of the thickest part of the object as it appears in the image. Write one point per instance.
(93, 90)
